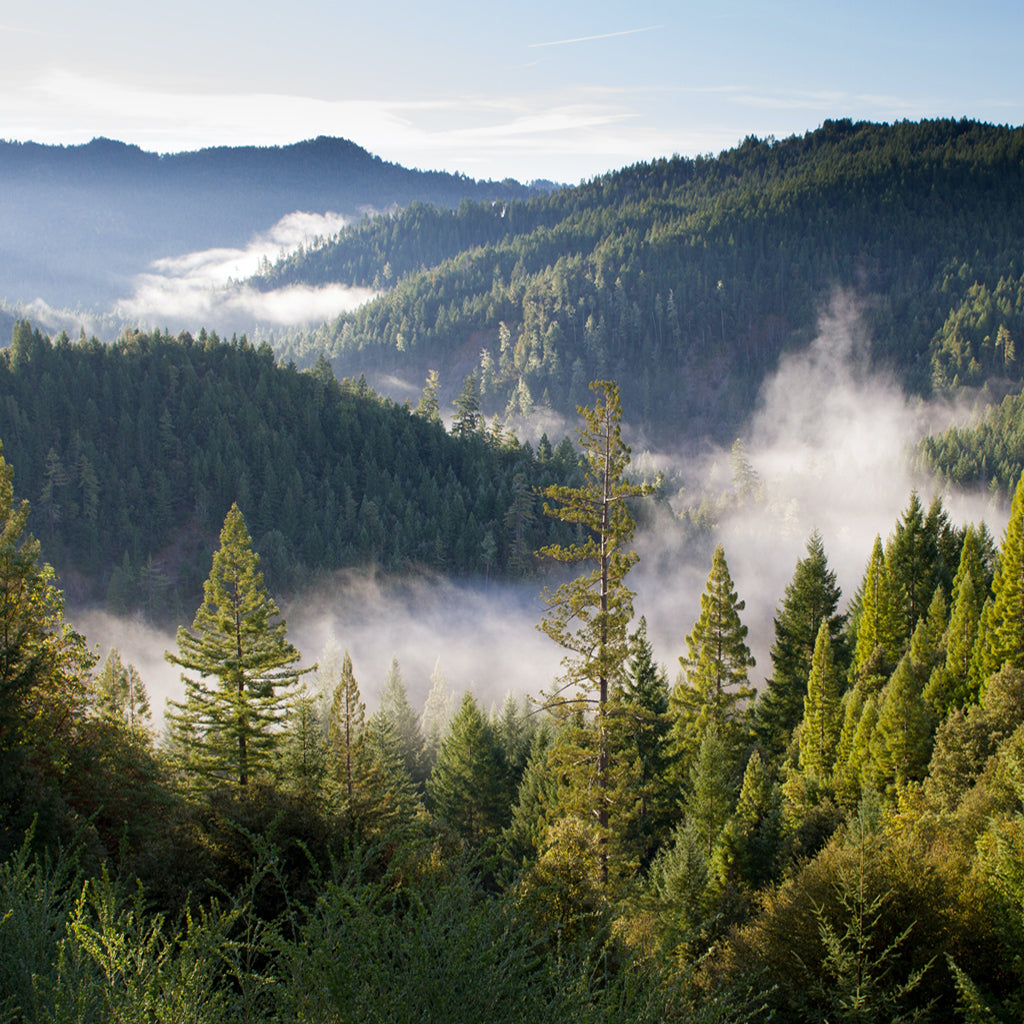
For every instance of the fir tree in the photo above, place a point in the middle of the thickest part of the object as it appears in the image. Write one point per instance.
(877, 626)
(901, 741)
(345, 726)
(714, 687)
(819, 731)
(394, 704)
(122, 694)
(437, 714)
(1004, 635)
(590, 615)
(811, 598)
(242, 666)
(467, 788)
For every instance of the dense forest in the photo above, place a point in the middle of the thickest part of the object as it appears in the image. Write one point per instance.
(635, 845)
(131, 452)
(685, 279)
(646, 837)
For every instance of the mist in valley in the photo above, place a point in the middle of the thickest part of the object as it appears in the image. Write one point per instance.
(830, 444)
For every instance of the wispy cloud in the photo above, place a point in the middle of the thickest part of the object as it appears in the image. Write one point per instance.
(564, 134)
(203, 287)
(603, 35)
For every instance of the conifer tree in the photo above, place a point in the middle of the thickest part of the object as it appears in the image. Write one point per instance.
(877, 627)
(751, 843)
(394, 704)
(395, 802)
(912, 562)
(122, 694)
(641, 726)
(467, 788)
(524, 837)
(901, 742)
(1004, 635)
(590, 615)
(812, 597)
(949, 685)
(437, 714)
(345, 727)
(714, 687)
(239, 667)
(819, 732)
(305, 751)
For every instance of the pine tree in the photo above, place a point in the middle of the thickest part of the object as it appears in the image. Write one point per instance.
(590, 615)
(394, 704)
(950, 684)
(468, 420)
(877, 628)
(812, 597)
(714, 687)
(641, 727)
(437, 714)
(467, 788)
(819, 731)
(345, 726)
(751, 844)
(1004, 635)
(239, 667)
(122, 694)
(901, 742)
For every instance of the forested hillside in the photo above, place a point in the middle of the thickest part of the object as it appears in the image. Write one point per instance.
(640, 844)
(685, 279)
(986, 452)
(131, 453)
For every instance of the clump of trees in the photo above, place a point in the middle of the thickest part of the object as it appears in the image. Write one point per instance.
(844, 845)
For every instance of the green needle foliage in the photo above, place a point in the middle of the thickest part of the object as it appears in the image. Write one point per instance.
(589, 616)
(244, 663)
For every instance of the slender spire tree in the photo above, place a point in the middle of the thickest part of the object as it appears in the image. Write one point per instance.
(239, 667)
(714, 687)
(811, 598)
(589, 616)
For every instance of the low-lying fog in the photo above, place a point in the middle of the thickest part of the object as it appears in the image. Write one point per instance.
(829, 442)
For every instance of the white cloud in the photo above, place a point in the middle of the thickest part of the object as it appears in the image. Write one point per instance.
(202, 287)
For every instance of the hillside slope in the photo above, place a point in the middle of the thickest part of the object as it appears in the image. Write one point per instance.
(79, 220)
(685, 280)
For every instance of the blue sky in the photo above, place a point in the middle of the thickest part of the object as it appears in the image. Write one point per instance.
(533, 90)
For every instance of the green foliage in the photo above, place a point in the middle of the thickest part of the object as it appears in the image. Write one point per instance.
(811, 598)
(468, 788)
(714, 688)
(667, 274)
(227, 732)
(162, 434)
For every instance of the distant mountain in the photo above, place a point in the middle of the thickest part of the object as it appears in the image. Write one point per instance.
(76, 222)
(686, 279)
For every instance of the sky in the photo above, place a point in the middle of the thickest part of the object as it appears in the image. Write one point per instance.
(561, 91)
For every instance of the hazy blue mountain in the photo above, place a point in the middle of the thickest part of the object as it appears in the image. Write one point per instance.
(76, 222)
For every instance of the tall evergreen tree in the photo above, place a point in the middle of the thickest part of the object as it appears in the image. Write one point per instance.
(437, 714)
(122, 694)
(877, 624)
(395, 706)
(819, 732)
(345, 727)
(468, 787)
(590, 615)
(239, 667)
(714, 687)
(901, 742)
(1004, 636)
(812, 597)
(641, 728)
